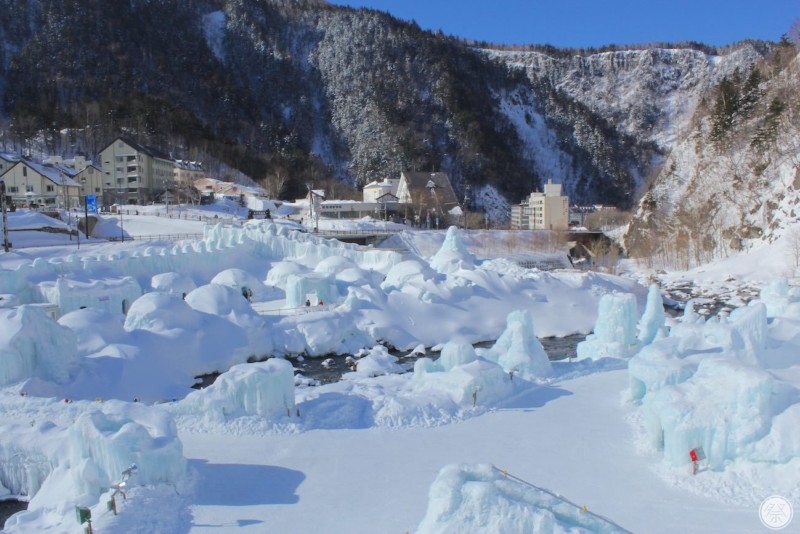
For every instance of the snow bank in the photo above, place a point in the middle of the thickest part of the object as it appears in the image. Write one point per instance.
(377, 362)
(264, 389)
(480, 498)
(229, 304)
(173, 283)
(237, 279)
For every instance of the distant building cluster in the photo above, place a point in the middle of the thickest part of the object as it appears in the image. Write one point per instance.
(548, 210)
(128, 173)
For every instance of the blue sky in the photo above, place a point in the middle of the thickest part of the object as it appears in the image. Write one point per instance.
(585, 23)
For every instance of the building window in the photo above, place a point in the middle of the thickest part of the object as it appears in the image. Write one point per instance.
(24, 171)
(29, 189)
(13, 189)
(49, 189)
(120, 159)
(120, 144)
(97, 189)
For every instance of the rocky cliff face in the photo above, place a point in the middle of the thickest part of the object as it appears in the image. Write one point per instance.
(733, 176)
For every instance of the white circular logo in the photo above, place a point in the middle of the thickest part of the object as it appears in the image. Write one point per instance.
(775, 512)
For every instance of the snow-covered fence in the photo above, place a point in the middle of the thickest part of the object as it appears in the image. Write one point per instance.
(155, 237)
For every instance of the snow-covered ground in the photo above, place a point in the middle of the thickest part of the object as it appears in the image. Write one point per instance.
(494, 439)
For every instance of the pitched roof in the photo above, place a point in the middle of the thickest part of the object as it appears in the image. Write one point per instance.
(58, 174)
(149, 150)
(418, 184)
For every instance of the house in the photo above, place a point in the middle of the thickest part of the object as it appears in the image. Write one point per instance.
(542, 211)
(427, 196)
(134, 173)
(374, 190)
(187, 172)
(37, 184)
(7, 161)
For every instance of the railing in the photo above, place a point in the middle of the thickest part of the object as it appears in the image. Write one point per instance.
(154, 237)
(359, 232)
(283, 312)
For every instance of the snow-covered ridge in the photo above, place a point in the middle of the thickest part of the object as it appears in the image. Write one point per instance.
(649, 93)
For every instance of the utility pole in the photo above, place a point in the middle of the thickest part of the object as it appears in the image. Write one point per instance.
(6, 244)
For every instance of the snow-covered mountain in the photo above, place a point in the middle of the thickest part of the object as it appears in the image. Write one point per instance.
(650, 93)
(309, 90)
(732, 178)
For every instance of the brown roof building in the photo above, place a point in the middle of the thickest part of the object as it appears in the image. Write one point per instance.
(428, 194)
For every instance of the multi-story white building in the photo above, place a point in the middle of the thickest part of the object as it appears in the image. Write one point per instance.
(542, 211)
(134, 173)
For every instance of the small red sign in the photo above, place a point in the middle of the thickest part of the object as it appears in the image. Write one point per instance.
(693, 455)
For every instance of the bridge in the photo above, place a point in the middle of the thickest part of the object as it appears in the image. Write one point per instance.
(359, 237)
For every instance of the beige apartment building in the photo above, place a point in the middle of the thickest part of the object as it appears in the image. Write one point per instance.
(134, 173)
(548, 210)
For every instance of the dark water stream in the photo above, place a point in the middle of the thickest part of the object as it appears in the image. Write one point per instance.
(9, 508)
(330, 369)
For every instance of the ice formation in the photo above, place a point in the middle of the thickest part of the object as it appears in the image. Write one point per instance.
(653, 320)
(462, 376)
(113, 295)
(32, 344)
(314, 287)
(265, 389)
(615, 331)
(722, 385)
(518, 350)
(453, 255)
(481, 498)
(61, 467)
(778, 297)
